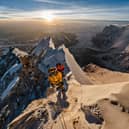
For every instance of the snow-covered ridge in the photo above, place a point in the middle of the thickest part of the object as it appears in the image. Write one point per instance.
(94, 107)
(18, 86)
(49, 56)
(85, 102)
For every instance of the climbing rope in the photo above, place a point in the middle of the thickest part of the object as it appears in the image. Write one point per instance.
(64, 121)
(61, 123)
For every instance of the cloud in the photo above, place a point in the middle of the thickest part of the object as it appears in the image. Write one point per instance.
(73, 12)
(6, 12)
(51, 2)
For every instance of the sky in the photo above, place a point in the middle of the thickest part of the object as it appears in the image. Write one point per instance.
(65, 9)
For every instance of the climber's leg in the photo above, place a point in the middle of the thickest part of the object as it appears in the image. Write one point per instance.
(59, 96)
(64, 97)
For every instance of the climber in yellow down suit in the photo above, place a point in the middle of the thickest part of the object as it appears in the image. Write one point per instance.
(56, 81)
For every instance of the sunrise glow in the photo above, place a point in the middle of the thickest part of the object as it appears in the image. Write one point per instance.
(48, 17)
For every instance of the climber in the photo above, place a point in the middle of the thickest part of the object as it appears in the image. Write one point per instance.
(25, 60)
(56, 81)
(60, 68)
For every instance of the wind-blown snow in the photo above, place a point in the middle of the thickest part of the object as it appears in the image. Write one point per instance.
(9, 88)
(123, 41)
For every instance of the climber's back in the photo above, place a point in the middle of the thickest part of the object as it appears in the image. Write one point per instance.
(55, 77)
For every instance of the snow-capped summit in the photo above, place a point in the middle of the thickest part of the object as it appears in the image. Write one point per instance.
(42, 46)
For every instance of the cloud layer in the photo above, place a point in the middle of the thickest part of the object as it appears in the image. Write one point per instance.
(51, 2)
(68, 11)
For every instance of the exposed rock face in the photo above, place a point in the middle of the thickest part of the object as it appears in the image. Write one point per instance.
(26, 89)
(21, 82)
(41, 116)
(7, 60)
(107, 37)
(109, 49)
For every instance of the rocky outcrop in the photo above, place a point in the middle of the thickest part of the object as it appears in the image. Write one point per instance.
(107, 37)
(7, 60)
(19, 93)
(109, 49)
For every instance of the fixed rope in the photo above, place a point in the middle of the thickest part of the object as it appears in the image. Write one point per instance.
(63, 127)
(64, 121)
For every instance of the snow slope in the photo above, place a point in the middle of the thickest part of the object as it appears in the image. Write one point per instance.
(75, 115)
(99, 75)
(75, 68)
(107, 103)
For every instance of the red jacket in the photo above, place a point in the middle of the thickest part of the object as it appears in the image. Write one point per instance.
(60, 68)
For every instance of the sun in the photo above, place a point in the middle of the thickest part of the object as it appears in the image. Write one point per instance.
(48, 17)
